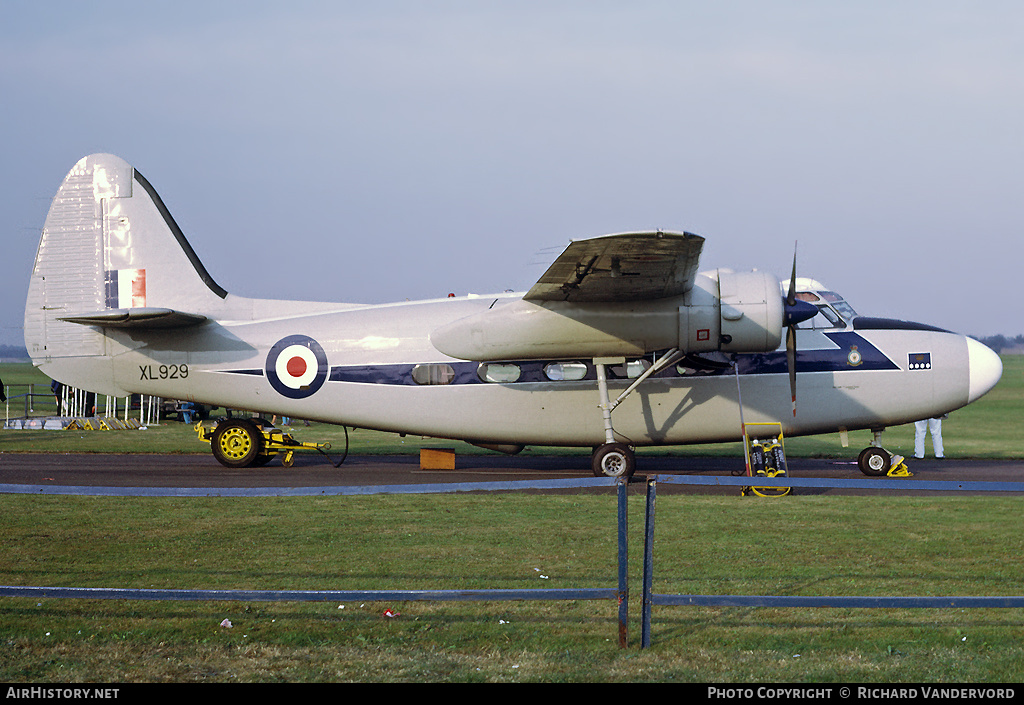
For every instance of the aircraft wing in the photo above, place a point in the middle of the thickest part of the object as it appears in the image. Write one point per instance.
(623, 267)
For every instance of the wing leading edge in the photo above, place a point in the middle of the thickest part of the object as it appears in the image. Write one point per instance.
(622, 267)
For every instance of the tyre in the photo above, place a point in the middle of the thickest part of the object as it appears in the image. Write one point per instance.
(874, 462)
(237, 443)
(614, 460)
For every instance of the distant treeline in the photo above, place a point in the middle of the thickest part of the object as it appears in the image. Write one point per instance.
(1001, 343)
(13, 352)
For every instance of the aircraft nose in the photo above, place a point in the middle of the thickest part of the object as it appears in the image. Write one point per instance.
(985, 369)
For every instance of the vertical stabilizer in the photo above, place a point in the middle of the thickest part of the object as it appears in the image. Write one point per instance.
(108, 245)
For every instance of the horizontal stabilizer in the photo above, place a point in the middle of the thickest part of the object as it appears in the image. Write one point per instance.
(137, 318)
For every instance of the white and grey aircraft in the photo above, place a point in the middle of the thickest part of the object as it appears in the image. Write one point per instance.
(120, 304)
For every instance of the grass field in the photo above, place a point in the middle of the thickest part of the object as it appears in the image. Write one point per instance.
(798, 545)
(732, 545)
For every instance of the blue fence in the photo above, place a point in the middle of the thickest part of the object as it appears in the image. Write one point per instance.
(620, 593)
(650, 598)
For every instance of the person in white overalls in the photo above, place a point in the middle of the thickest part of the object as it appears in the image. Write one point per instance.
(921, 429)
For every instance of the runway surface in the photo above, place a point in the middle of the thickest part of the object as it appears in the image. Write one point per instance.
(314, 470)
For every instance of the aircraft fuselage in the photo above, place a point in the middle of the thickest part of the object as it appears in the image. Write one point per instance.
(849, 378)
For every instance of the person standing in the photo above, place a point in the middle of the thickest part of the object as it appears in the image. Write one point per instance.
(921, 429)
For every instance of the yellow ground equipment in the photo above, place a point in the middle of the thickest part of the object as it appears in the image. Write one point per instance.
(765, 456)
(241, 443)
(899, 468)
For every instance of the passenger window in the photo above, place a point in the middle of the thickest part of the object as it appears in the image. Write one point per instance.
(631, 370)
(498, 372)
(568, 371)
(433, 374)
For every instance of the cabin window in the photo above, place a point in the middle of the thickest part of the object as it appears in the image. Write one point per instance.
(433, 374)
(498, 372)
(568, 371)
(631, 370)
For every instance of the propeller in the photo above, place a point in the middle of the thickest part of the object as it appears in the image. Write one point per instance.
(795, 312)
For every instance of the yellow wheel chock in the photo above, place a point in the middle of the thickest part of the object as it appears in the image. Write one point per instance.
(898, 468)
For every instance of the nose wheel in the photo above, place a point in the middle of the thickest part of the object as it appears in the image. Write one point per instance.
(873, 461)
(878, 462)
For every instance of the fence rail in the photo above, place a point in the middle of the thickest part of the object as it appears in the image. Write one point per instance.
(650, 598)
(620, 593)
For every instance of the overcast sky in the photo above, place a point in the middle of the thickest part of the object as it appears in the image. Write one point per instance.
(379, 151)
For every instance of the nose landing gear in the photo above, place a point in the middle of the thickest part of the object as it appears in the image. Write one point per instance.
(878, 462)
(875, 461)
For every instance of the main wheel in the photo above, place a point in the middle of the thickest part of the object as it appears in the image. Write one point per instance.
(237, 443)
(874, 461)
(613, 460)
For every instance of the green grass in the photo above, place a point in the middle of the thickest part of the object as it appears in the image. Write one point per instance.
(990, 428)
(890, 546)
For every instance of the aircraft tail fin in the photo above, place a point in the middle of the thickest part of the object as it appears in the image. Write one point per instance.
(110, 256)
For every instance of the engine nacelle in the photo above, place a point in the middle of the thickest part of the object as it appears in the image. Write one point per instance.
(729, 312)
(732, 312)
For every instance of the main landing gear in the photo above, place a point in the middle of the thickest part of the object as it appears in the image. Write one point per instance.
(614, 458)
(875, 461)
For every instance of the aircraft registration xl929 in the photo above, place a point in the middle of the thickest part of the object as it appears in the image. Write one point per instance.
(120, 304)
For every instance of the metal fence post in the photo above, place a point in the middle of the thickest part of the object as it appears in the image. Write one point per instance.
(623, 597)
(645, 630)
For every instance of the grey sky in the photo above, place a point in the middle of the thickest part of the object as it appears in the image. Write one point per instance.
(382, 151)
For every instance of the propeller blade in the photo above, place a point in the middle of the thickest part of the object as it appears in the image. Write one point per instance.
(791, 296)
(791, 362)
(791, 332)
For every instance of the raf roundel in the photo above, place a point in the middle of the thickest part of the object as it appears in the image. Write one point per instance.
(297, 366)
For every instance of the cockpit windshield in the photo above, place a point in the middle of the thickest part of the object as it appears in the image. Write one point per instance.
(833, 311)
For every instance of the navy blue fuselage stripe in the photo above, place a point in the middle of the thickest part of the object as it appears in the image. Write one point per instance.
(838, 359)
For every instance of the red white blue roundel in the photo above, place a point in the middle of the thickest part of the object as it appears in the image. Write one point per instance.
(297, 366)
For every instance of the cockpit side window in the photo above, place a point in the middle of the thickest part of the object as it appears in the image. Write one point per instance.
(845, 310)
(833, 311)
(833, 317)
